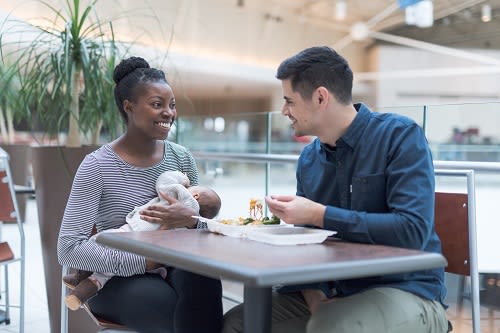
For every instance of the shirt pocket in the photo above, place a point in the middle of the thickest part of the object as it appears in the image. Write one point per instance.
(368, 193)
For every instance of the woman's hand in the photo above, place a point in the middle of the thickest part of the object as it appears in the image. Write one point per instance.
(296, 210)
(171, 216)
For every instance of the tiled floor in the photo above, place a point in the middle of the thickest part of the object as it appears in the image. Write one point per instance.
(490, 322)
(36, 312)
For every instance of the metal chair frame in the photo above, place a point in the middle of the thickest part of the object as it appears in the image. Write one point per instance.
(460, 262)
(8, 211)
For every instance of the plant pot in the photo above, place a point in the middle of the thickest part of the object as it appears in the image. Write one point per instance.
(54, 168)
(19, 162)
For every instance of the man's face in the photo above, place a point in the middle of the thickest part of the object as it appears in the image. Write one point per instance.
(298, 110)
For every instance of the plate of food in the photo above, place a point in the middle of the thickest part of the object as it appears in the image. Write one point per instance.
(240, 226)
(290, 236)
(233, 227)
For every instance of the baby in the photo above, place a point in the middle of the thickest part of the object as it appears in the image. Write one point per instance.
(203, 200)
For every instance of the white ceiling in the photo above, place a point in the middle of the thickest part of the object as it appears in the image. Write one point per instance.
(216, 47)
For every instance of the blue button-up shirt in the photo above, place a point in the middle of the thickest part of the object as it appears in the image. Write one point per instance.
(378, 186)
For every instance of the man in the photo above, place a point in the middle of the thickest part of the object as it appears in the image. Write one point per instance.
(369, 176)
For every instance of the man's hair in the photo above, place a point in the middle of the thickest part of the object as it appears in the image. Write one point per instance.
(315, 67)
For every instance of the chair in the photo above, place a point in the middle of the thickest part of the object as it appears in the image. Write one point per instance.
(8, 211)
(455, 223)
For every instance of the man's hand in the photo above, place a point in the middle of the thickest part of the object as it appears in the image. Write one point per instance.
(296, 210)
(171, 216)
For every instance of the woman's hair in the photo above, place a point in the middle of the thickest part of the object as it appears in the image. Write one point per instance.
(130, 76)
(315, 67)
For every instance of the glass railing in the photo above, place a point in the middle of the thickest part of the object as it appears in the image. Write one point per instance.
(237, 182)
(461, 132)
(464, 132)
(239, 133)
(417, 113)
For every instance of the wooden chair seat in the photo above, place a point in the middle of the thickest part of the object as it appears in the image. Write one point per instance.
(103, 323)
(6, 253)
(452, 226)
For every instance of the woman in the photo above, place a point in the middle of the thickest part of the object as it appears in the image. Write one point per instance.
(113, 180)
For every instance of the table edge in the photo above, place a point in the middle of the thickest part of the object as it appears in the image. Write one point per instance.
(269, 277)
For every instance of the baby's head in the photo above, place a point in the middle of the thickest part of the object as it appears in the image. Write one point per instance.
(208, 200)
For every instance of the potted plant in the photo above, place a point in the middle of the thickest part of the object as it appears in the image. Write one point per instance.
(65, 69)
(9, 85)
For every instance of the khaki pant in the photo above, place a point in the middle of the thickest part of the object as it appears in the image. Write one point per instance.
(378, 310)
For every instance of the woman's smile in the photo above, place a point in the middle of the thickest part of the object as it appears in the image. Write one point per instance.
(163, 124)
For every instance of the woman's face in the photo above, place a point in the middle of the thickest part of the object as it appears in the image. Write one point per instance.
(153, 111)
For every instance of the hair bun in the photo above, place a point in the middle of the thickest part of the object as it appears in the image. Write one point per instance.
(127, 66)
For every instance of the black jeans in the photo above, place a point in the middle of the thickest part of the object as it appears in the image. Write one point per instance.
(182, 303)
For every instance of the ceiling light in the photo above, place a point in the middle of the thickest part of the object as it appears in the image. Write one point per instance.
(340, 10)
(485, 13)
(420, 14)
(359, 31)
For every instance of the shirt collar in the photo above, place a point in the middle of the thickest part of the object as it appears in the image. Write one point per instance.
(354, 132)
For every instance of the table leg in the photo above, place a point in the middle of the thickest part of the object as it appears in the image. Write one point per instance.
(257, 310)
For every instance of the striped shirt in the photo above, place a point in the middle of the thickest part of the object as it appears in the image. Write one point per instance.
(104, 191)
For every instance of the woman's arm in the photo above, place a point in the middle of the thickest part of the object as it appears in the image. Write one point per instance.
(74, 248)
